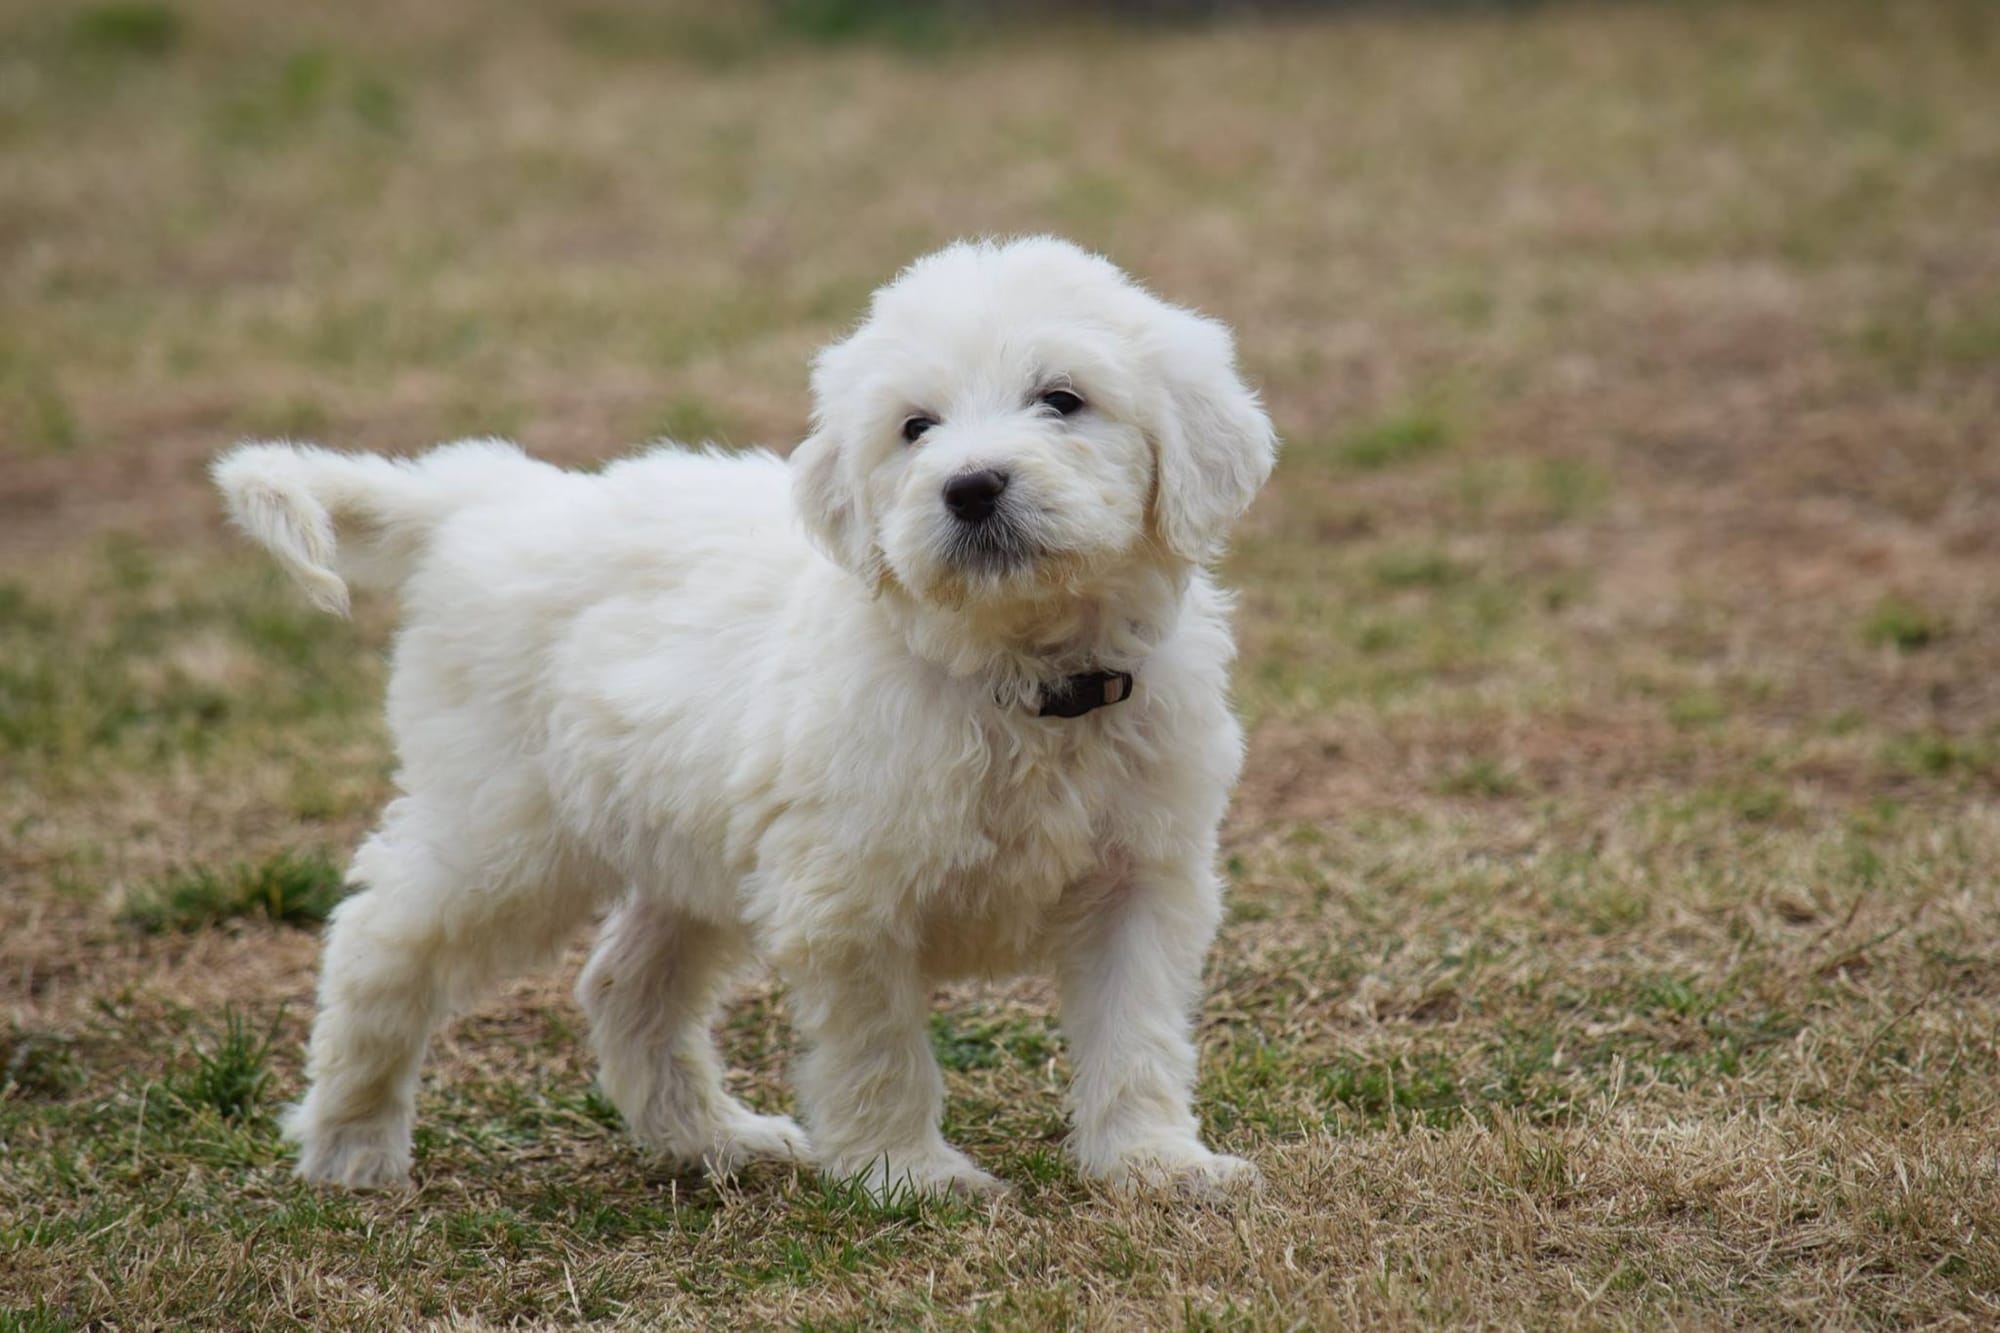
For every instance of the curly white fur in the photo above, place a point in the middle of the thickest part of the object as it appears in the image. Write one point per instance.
(761, 710)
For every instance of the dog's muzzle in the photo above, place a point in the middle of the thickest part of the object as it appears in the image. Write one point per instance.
(974, 497)
(986, 534)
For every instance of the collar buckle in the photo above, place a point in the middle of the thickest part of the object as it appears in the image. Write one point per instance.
(1086, 692)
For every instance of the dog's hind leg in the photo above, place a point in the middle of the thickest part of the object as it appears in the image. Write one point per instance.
(651, 990)
(429, 930)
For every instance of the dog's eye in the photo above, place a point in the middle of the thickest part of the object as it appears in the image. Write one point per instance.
(914, 427)
(1062, 402)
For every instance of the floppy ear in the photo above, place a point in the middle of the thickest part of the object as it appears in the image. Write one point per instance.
(823, 484)
(1215, 445)
(828, 502)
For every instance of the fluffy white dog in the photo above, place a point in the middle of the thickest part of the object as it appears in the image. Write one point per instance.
(944, 696)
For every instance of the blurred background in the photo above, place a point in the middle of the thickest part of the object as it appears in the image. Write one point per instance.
(1620, 629)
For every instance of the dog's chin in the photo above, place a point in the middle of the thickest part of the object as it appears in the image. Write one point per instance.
(979, 570)
(995, 552)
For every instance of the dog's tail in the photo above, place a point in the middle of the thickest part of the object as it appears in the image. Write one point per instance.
(292, 497)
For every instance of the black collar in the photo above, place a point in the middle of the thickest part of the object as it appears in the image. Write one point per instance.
(1086, 692)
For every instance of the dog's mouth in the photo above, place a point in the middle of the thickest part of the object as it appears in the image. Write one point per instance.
(995, 548)
(1007, 557)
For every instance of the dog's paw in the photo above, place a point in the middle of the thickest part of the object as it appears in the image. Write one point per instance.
(890, 1177)
(1190, 1170)
(970, 1183)
(356, 1157)
(754, 1138)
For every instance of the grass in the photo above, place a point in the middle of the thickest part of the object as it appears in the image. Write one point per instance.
(1396, 438)
(288, 889)
(1614, 907)
(136, 29)
(38, 1065)
(1898, 623)
(229, 1073)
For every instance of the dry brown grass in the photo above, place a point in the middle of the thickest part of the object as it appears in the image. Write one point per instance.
(1616, 936)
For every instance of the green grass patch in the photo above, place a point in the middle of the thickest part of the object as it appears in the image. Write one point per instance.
(1747, 802)
(40, 413)
(972, 1041)
(1938, 754)
(716, 39)
(310, 91)
(1681, 997)
(1602, 906)
(1400, 1090)
(1913, 342)
(1570, 488)
(836, 1229)
(1416, 567)
(1673, 1031)
(231, 1070)
(39, 1064)
(1904, 625)
(1696, 709)
(907, 23)
(291, 888)
(1484, 778)
(136, 661)
(136, 29)
(1395, 439)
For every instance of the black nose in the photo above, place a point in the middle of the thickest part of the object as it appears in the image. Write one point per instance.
(971, 496)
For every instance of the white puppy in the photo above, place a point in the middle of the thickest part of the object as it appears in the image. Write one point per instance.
(943, 697)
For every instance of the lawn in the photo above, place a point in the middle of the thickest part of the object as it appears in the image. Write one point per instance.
(1615, 879)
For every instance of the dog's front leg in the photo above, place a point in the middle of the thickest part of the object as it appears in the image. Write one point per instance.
(869, 1084)
(1130, 974)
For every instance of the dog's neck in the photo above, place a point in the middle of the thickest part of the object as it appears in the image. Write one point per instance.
(1021, 649)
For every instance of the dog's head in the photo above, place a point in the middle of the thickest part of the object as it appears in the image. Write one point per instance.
(1011, 418)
